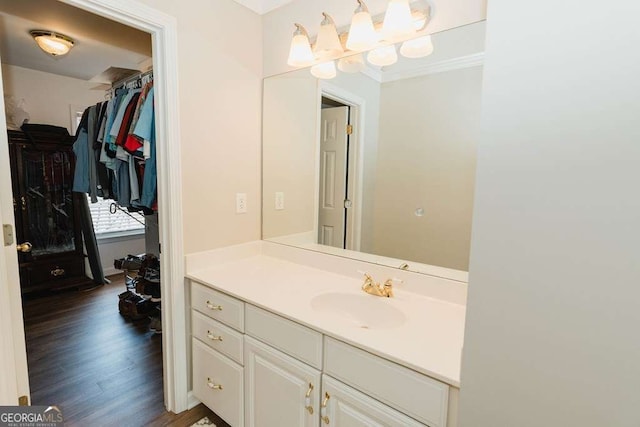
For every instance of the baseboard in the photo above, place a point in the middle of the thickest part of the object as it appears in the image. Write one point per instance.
(110, 271)
(192, 402)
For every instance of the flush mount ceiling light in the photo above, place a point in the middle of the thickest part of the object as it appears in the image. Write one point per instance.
(55, 44)
(328, 44)
(300, 54)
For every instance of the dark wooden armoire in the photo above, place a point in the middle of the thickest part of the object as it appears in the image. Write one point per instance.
(47, 214)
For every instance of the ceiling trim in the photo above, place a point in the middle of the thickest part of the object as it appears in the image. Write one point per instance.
(468, 61)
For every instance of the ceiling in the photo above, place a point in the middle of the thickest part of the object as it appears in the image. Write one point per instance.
(100, 43)
(263, 6)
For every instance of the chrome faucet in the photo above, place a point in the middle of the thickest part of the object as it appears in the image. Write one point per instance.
(372, 288)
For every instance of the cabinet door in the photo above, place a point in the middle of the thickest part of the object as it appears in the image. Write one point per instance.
(279, 390)
(343, 406)
(44, 200)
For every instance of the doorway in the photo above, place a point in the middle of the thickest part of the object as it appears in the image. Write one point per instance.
(163, 29)
(340, 168)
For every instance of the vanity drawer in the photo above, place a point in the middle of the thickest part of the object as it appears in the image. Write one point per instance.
(217, 305)
(217, 336)
(218, 383)
(414, 394)
(292, 338)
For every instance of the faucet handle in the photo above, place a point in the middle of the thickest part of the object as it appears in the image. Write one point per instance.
(367, 276)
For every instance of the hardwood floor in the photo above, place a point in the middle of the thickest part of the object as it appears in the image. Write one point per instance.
(98, 367)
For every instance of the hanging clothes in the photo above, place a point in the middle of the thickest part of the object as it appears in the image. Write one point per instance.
(115, 150)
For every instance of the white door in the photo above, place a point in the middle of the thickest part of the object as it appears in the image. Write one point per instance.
(14, 377)
(343, 406)
(279, 390)
(333, 176)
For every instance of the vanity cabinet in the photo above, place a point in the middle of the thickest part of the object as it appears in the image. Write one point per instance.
(344, 406)
(217, 323)
(279, 390)
(256, 368)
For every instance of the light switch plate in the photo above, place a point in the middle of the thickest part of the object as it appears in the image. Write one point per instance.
(279, 200)
(241, 202)
(7, 232)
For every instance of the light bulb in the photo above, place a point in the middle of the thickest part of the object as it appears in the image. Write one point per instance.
(383, 56)
(398, 23)
(417, 48)
(300, 54)
(325, 70)
(328, 44)
(351, 64)
(362, 35)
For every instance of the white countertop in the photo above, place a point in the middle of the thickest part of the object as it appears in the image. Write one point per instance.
(429, 341)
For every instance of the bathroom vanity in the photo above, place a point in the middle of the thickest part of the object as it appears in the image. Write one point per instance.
(284, 336)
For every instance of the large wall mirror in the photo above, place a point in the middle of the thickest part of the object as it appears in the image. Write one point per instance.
(378, 165)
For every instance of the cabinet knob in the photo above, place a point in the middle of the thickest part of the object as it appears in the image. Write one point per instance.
(212, 385)
(307, 400)
(211, 306)
(213, 337)
(323, 408)
(24, 247)
(57, 272)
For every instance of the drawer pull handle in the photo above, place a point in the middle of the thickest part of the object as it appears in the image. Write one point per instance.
(307, 400)
(213, 307)
(213, 386)
(57, 272)
(323, 408)
(213, 337)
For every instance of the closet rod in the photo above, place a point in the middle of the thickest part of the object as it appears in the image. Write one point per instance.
(131, 78)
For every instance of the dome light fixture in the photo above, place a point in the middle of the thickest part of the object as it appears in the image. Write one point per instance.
(55, 44)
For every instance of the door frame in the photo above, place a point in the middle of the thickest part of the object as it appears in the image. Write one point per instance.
(356, 163)
(163, 30)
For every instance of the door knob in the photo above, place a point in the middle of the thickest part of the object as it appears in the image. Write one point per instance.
(24, 247)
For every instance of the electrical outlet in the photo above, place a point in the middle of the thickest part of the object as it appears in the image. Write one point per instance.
(279, 200)
(241, 202)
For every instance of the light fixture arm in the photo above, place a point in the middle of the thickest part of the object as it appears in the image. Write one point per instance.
(300, 30)
(362, 7)
(327, 19)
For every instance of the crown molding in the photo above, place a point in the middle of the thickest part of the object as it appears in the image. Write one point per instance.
(468, 61)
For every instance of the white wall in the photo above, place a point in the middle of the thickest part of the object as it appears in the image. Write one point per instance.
(220, 84)
(427, 159)
(290, 115)
(553, 311)
(47, 96)
(118, 247)
(278, 24)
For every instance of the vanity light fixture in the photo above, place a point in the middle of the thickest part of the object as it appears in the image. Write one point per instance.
(417, 48)
(300, 54)
(324, 70)
(362, 34)
(398, 22)
(55, 44)
(328, 44)
(383, 56)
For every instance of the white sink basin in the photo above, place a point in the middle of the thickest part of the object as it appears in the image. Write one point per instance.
(360, 310)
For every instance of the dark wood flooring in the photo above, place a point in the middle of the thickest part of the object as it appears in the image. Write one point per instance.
(100, 368)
